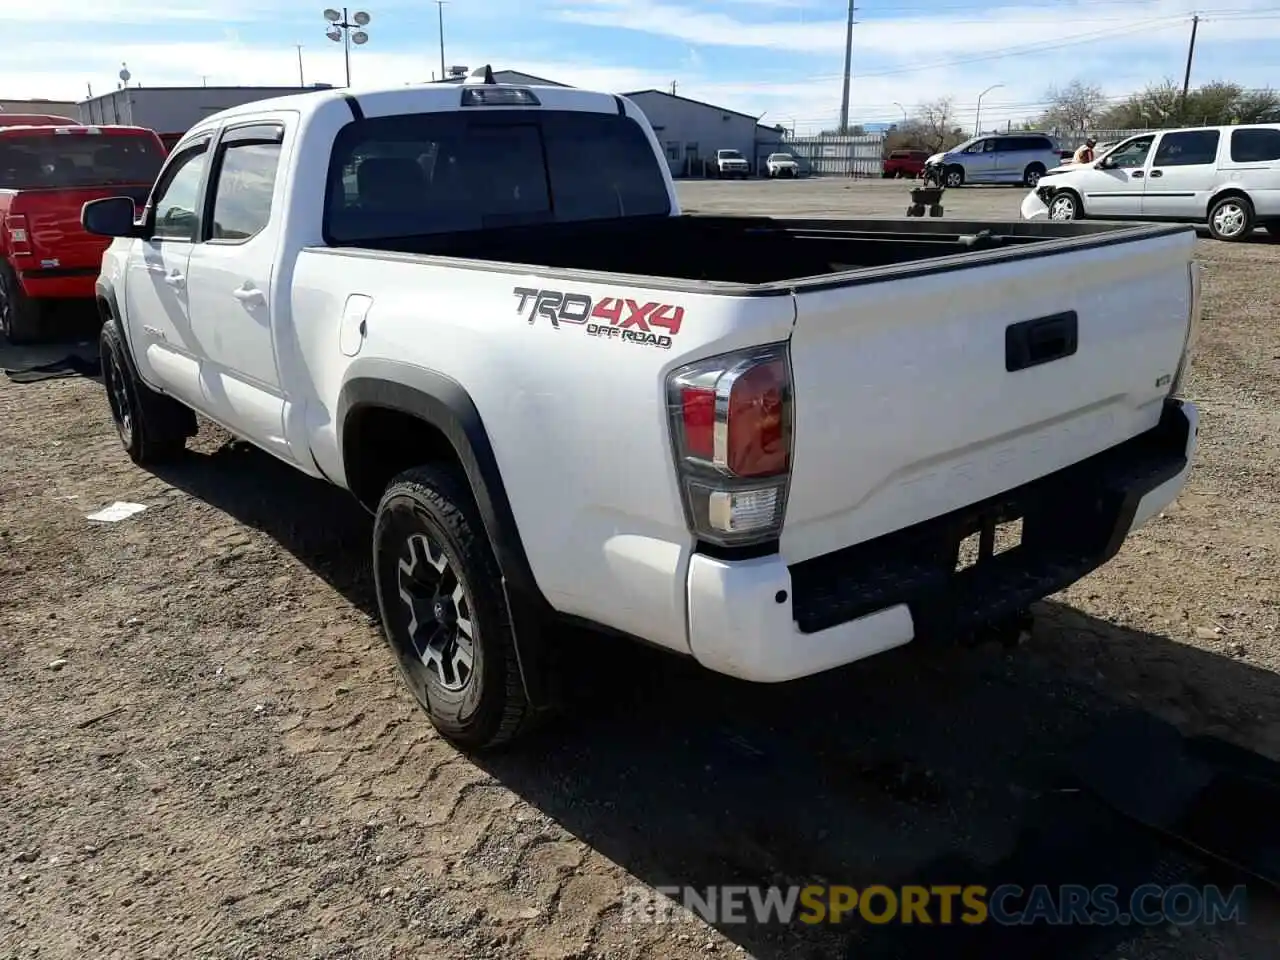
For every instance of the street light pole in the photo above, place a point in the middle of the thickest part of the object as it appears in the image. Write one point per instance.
(904, 112)
(977, 120)
(340, 27)
(301, 80)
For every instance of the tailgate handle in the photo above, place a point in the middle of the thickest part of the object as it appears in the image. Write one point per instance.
(1042, 340)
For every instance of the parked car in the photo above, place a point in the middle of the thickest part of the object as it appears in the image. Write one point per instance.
(564, 401)
(905, 163)
(1004, 158)
(1227, 178)
(782, 165)
(47, 173)
(730, 163)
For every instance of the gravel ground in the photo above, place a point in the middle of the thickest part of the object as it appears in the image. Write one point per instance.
(206, 751)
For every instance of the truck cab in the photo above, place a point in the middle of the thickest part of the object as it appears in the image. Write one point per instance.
(47, 173)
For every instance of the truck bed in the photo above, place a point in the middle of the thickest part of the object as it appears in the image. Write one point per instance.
(770, 254)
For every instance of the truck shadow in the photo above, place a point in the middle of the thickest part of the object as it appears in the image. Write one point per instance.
(864, 775)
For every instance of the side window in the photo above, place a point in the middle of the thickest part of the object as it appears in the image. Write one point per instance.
(1132, 154)
(977, 147)
(1255, 146)
(1186, 149)
(176, 201)
(990, 146)
(1010, 144)
(246, 180)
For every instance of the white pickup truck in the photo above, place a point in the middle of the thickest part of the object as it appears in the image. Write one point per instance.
(758, 443)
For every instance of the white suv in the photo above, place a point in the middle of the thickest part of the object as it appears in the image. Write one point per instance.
(1225, 177)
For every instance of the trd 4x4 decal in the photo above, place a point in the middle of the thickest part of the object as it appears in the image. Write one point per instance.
(612, 317)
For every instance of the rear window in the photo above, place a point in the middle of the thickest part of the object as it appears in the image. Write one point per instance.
(34, 160)
(1261, 145)
(444, 172)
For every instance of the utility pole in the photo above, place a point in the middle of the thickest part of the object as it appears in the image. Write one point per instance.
(848, 63)
(1191, 49)
(673, 88)
(301, 81)
(440, 15)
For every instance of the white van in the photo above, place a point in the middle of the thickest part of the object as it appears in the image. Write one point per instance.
(1225, 177)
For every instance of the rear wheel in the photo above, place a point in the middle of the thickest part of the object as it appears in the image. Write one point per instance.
(954, 177)
(20, 316)
(444, 611)
(152, 427)
(1064, 206)
(1231, 218)
(1031, 176)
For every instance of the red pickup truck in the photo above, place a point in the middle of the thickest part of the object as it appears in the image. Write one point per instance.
(905, 163)
(47, 173)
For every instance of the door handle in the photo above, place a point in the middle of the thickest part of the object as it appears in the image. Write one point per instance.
(1157, 173)
(1137, 175)
(248, 295)
(176, 279)
(1042, 340)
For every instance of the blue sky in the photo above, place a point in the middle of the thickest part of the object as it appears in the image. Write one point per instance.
(779, 58)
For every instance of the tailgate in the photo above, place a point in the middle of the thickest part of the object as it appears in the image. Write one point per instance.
(53, 224)
(905, 408)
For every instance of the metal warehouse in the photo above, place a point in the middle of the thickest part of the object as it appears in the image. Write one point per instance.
(172, 111)
(690, 131)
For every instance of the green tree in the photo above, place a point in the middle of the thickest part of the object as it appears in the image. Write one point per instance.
(1214, 104)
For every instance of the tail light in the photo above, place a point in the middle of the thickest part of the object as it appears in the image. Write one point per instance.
(731, 426)
(15, 229)
(1193, 329)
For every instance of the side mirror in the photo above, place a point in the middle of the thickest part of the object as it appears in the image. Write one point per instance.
(110, 217)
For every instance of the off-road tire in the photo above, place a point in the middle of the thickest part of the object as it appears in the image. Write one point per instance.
(153, 428)
(434, 502)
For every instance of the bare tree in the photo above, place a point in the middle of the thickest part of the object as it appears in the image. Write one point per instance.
(1073, 108)
(935, 122)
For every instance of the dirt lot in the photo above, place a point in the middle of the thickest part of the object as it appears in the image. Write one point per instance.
(205, 751)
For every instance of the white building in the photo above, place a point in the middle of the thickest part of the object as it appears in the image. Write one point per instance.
(692, 131)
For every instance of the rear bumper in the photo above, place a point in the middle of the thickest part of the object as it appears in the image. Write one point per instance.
(59, 283)
(765, 621)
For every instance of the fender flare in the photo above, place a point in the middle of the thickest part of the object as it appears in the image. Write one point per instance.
(444, 404)
(105, 291)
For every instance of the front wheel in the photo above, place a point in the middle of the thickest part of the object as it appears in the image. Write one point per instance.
(1064, 206)
(1031, 176)
(152, 428)
(954, 177)
(444, 611)
(1231, 218)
